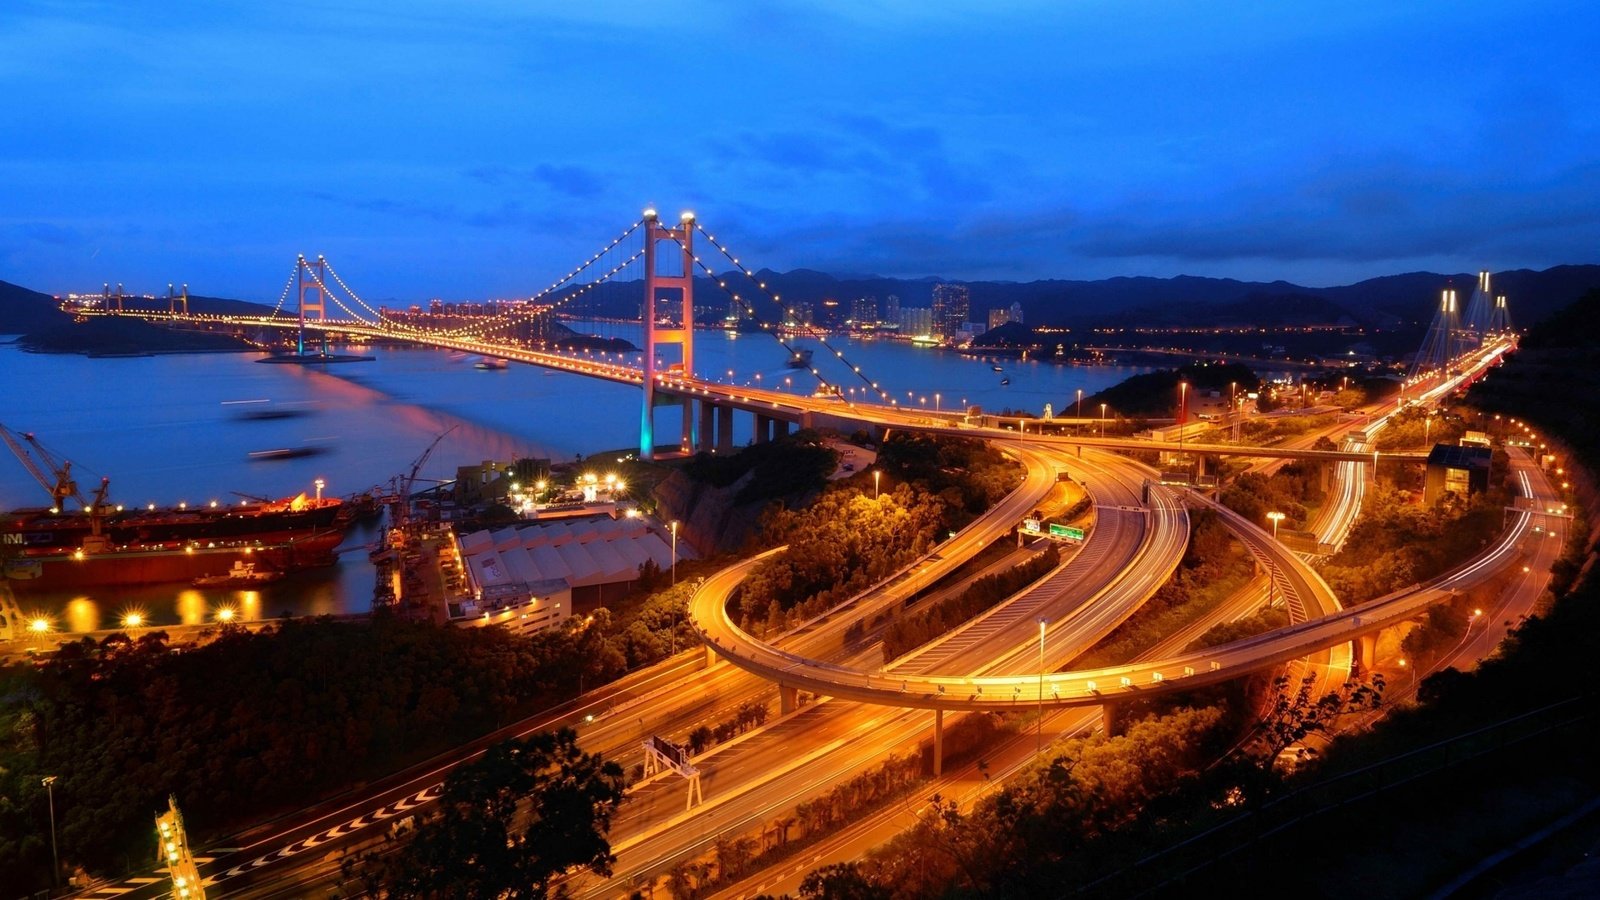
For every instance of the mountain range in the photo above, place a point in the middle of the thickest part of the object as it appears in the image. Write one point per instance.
(1401, 301)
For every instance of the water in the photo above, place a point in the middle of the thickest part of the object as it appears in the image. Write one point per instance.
(168, 428)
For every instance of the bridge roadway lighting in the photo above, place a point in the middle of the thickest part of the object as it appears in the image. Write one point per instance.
(1276, 517)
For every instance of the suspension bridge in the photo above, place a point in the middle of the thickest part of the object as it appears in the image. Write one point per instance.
(663, 258)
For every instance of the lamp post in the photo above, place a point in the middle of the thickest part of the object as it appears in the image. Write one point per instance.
(1102, 420)
(320, 485)
(1079, 414)
(1183, 412)
(674, 527)
(876, 475)
(936, 402)
(1276, 517)
(1039, 726)
(50, 792)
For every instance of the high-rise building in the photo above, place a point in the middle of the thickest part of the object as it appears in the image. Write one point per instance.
(864, 311)
(998, 317)
(890, 313)
(951, 303)
(916, 320)
(1014, 314)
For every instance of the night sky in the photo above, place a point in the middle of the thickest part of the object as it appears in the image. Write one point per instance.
(481, 149)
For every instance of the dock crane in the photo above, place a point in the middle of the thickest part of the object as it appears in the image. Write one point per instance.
(400, 513)
(59, 483)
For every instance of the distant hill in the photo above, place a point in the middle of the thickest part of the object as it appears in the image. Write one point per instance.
(1404, 301)
(124, 335)
(23, 310)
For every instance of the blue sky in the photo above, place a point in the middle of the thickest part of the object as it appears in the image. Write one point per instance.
(481, 149)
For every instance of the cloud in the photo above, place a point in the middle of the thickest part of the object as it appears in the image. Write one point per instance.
(576, 182)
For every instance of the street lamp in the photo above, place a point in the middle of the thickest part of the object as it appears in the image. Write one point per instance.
(674, 527)
(55, 870)
(936, 402)
(1183, 412)
(876, 475)
(1079, 414)
(1039, 726)
(1102, 420)
(320, 485)
(1276, 517)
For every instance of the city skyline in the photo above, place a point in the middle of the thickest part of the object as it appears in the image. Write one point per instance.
(436, 154)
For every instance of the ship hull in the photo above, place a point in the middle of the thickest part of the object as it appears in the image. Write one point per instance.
(47, 572)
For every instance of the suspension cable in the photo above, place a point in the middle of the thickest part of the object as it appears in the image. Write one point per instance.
(778, 301)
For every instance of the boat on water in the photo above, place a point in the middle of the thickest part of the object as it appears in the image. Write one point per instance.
(102, 544)
(243, 574)
(491, 362)
(997, 368)
(285, 453)
(1004, 382)
(799, 359)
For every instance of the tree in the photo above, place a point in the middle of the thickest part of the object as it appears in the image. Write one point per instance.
(842, 881)
(509, 824)
(1294, 717)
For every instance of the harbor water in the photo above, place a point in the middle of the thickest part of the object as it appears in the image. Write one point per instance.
(176, 428)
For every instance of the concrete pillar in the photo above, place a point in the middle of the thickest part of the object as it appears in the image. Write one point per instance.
(724, 429)
(1366, 653)
(788, 699)
(763, 428)
(1199, 464)
(938, 742)
(1325, 471)
(687, 440)
(1111, 715)
(780, 428)
(707, 436)
(711, 656)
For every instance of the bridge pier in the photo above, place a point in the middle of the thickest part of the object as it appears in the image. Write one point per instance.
(1366, 653)
(1112, 717)
(711, 656)
(705, 439)
(1325, 472)
(763, 428)
(788, 699)
(724, 429)
(938, 742)
(780, 428)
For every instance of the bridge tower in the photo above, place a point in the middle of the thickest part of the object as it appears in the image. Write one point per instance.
(655, 335)
(311, 278)
(175, 302)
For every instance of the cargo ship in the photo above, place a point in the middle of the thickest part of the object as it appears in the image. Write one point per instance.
(102, 544)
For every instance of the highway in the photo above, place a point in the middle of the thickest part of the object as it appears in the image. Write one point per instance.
(996, 667)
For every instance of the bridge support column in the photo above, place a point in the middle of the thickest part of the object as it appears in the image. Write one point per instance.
(724, 429)
(1325, 471)
(938, 742)
(1366, 653)
(706, 439)
(780, 428)
(788, 699)
(711, 656)
(1112, 715)
(763, 428)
